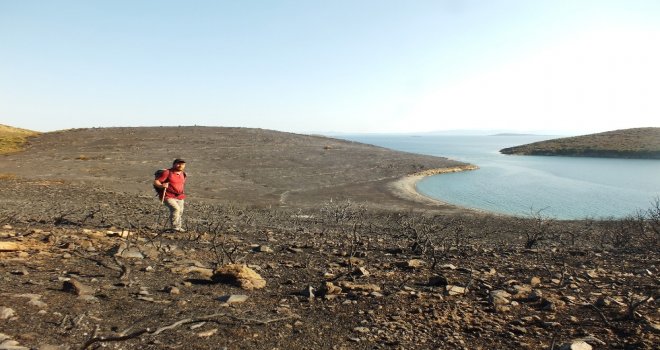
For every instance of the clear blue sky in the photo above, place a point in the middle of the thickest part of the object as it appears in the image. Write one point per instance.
(324, 66)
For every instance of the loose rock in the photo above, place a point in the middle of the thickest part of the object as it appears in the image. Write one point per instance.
(535, 281)
(576, 345)
(263, 249)
(76, 287)
(239, 275)
(361, 271)
(208, 333)
(6, 313)
(9, 247)
(330, 291)
(455, 290)
(368, 287)
(411, 264)
(234, 298)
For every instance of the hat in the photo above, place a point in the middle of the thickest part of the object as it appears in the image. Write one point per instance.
(178, 161)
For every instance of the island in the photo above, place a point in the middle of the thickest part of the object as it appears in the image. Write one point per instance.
(640, 143)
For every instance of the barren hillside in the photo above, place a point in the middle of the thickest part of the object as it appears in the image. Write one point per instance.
(240, 165)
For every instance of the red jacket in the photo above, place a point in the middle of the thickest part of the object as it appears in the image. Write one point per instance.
(176, 180)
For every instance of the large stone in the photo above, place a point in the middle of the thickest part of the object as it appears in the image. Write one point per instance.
(6, 234)
(500, 299)
(521, 291)
(239, 275)
(575, 345)
(12, 345)
(207, 334)
(455, 290)
(330, 291)
(361, 271)
(263, 249)
(535, 281)
(172, 290)
(9, 247)
(592, 274)
(413, 264)
(131, 253)
(234, 298)
(76, 287)
(134, 251)
(6, 313)
(365, 287)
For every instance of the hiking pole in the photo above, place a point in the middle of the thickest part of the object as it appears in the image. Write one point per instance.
(162, 200)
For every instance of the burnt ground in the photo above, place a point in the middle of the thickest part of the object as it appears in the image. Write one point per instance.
(225, 165)
(85, 262)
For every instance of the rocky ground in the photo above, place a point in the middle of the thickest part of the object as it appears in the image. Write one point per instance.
(91, 266)
(338, 276)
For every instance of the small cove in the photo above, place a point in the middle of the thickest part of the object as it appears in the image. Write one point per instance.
(560, 187)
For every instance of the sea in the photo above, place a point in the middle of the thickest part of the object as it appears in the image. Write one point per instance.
(563, 188)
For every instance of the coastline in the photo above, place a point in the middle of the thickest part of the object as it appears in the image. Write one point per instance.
(406, 187)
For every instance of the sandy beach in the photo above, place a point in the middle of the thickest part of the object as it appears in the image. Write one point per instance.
(406, 187)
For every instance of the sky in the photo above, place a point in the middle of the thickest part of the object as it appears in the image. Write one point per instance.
(352, 66)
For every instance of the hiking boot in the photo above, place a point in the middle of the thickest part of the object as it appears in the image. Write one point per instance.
(179, 230)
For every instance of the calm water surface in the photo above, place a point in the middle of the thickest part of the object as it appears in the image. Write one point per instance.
(562, 187)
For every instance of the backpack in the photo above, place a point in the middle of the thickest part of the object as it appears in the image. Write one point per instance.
(157, 175)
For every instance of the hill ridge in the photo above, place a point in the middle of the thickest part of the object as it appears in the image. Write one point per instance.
(253, 166)
(641, 143)
(13, 139)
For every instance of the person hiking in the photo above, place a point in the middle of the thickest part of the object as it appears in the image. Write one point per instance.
(172, 182)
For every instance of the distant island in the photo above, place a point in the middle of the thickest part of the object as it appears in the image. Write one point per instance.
(641, 143)
(513, 134)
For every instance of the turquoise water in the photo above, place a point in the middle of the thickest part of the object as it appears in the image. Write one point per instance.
(561, 187)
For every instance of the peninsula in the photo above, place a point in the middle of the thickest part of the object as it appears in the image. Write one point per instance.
(643, 143)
